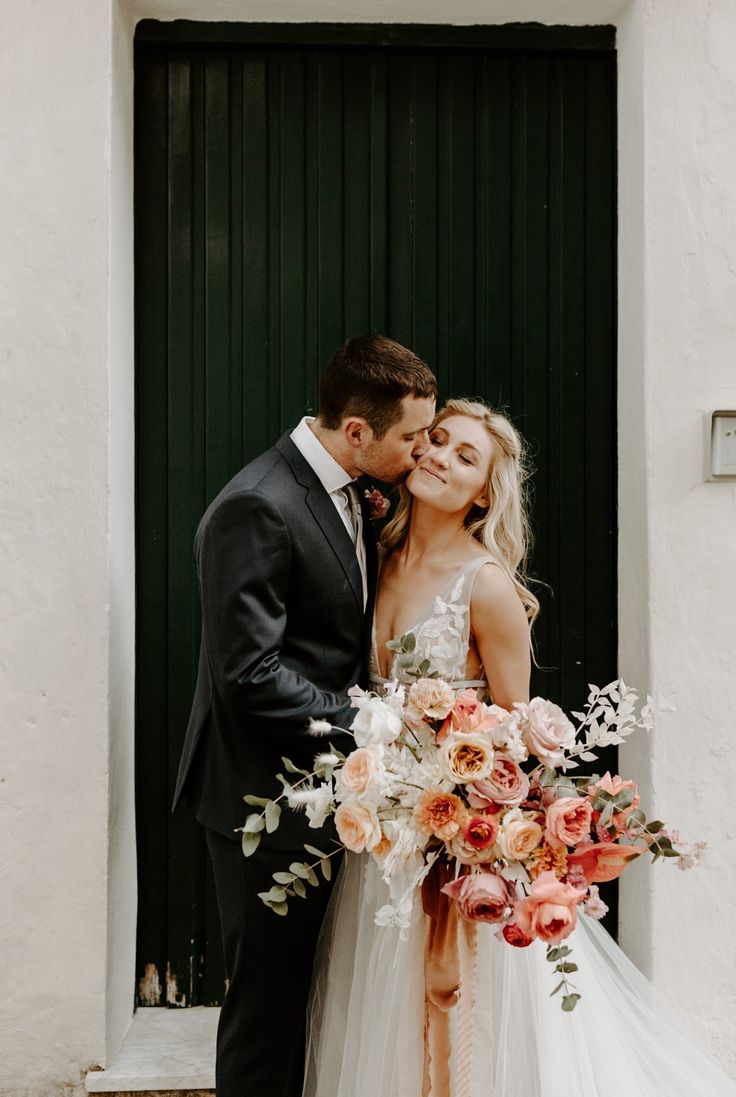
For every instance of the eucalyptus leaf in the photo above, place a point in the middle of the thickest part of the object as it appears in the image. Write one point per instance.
(654, 827)
(559, 987)
(315, 851)
(300, 870)
(283, 877)
(256, 801)
(273, 814)
(277, 895)
(326, 867)
(670, 853)
(280, 908)
(569, 1002)
(311, 876)
(300, 888)
(291, 768)
(567, 968)
(409, 642)
(253, 824)
(250, 843)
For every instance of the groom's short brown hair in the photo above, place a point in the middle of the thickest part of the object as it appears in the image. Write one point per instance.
(368, 376)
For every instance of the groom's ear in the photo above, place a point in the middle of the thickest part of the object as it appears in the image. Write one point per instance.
(355, 431)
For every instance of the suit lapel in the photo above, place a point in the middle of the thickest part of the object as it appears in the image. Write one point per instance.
(325, 515)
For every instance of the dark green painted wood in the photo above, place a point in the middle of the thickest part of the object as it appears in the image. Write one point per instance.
(439, 36)
(462, 202)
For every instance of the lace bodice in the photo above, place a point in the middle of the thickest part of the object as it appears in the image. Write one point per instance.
(442, 633)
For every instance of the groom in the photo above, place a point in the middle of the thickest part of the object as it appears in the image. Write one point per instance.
(287, 570)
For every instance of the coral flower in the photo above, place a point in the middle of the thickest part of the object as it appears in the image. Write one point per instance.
(602, 861)
(549, 910)
(438, 812)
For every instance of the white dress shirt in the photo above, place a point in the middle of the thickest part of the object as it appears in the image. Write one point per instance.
(334, 479)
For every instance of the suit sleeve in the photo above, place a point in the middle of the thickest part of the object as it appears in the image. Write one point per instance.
(243, 558)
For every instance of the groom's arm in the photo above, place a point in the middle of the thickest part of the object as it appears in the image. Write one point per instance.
(243, 558)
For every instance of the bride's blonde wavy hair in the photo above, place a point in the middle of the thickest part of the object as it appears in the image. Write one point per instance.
(502, 528)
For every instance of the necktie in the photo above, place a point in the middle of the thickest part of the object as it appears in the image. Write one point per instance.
(350, 491)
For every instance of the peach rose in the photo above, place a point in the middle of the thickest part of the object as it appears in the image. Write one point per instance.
(614, 785)
(480, 896)
(603, 861)
(438, 812)
(550, 909)
(546, 730)
(519, 835)
(468, 714)
(383, 846)
(429, 697)
(468, 757)
(568, 821)
(506, 784)
(359, 768)
(357, 825)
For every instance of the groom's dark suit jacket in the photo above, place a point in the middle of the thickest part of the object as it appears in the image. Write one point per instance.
(284, 636)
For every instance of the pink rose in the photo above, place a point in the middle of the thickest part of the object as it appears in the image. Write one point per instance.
(550, 909)
(546, 730)
(358, 827)
(359, 769)
(507, 784)
(468, 714)
(568, 821)
(480, 896)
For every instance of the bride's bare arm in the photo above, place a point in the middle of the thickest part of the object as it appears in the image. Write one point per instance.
(501, 631)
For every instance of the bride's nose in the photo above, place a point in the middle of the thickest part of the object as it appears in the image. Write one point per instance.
(438, 456)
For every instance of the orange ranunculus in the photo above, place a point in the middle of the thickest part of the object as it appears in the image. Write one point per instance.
(602, 861)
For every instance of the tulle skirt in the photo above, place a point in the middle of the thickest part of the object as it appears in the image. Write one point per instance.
(509, 1038)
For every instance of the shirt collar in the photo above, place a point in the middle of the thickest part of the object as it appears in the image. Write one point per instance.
(331, 475)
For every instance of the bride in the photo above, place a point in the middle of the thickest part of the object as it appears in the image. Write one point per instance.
(452, 574)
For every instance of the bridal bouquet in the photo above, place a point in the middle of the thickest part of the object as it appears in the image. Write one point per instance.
(436, 778)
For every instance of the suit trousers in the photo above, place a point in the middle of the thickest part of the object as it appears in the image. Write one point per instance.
(268, 963)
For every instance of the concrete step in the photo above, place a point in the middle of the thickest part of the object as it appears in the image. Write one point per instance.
(166, 1051)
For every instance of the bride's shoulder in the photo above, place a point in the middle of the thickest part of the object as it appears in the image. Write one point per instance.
(495, 595)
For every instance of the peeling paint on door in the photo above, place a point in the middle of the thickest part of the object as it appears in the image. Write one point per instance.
(149, 987)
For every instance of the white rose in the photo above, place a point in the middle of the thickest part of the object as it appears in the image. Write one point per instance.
(375, 722)
(547, 731)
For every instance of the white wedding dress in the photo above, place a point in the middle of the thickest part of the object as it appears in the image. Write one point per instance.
(509, 1037)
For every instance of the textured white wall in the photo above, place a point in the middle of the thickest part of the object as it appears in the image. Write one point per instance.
(67, 861)
(678, 534)
(54, 526)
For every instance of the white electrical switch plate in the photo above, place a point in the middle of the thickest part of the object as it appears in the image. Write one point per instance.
(723, 445)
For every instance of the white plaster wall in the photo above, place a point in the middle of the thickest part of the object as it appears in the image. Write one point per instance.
(54, 536)
(678, 533)
(67, 859)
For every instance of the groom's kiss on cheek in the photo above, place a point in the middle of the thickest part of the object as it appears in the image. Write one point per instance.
(394, 455)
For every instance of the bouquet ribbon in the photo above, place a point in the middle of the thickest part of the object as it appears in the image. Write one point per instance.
(449, 948)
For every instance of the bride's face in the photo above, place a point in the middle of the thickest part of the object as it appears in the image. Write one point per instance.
(453, 474)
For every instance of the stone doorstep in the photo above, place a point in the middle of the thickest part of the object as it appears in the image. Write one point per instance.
(166, 1051)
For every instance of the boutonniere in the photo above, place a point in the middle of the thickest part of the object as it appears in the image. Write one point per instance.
(378, 503)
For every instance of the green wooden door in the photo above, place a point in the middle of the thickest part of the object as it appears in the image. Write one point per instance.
(453, 189)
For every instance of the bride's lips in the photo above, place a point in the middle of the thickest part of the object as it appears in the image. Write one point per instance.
(423, 468)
